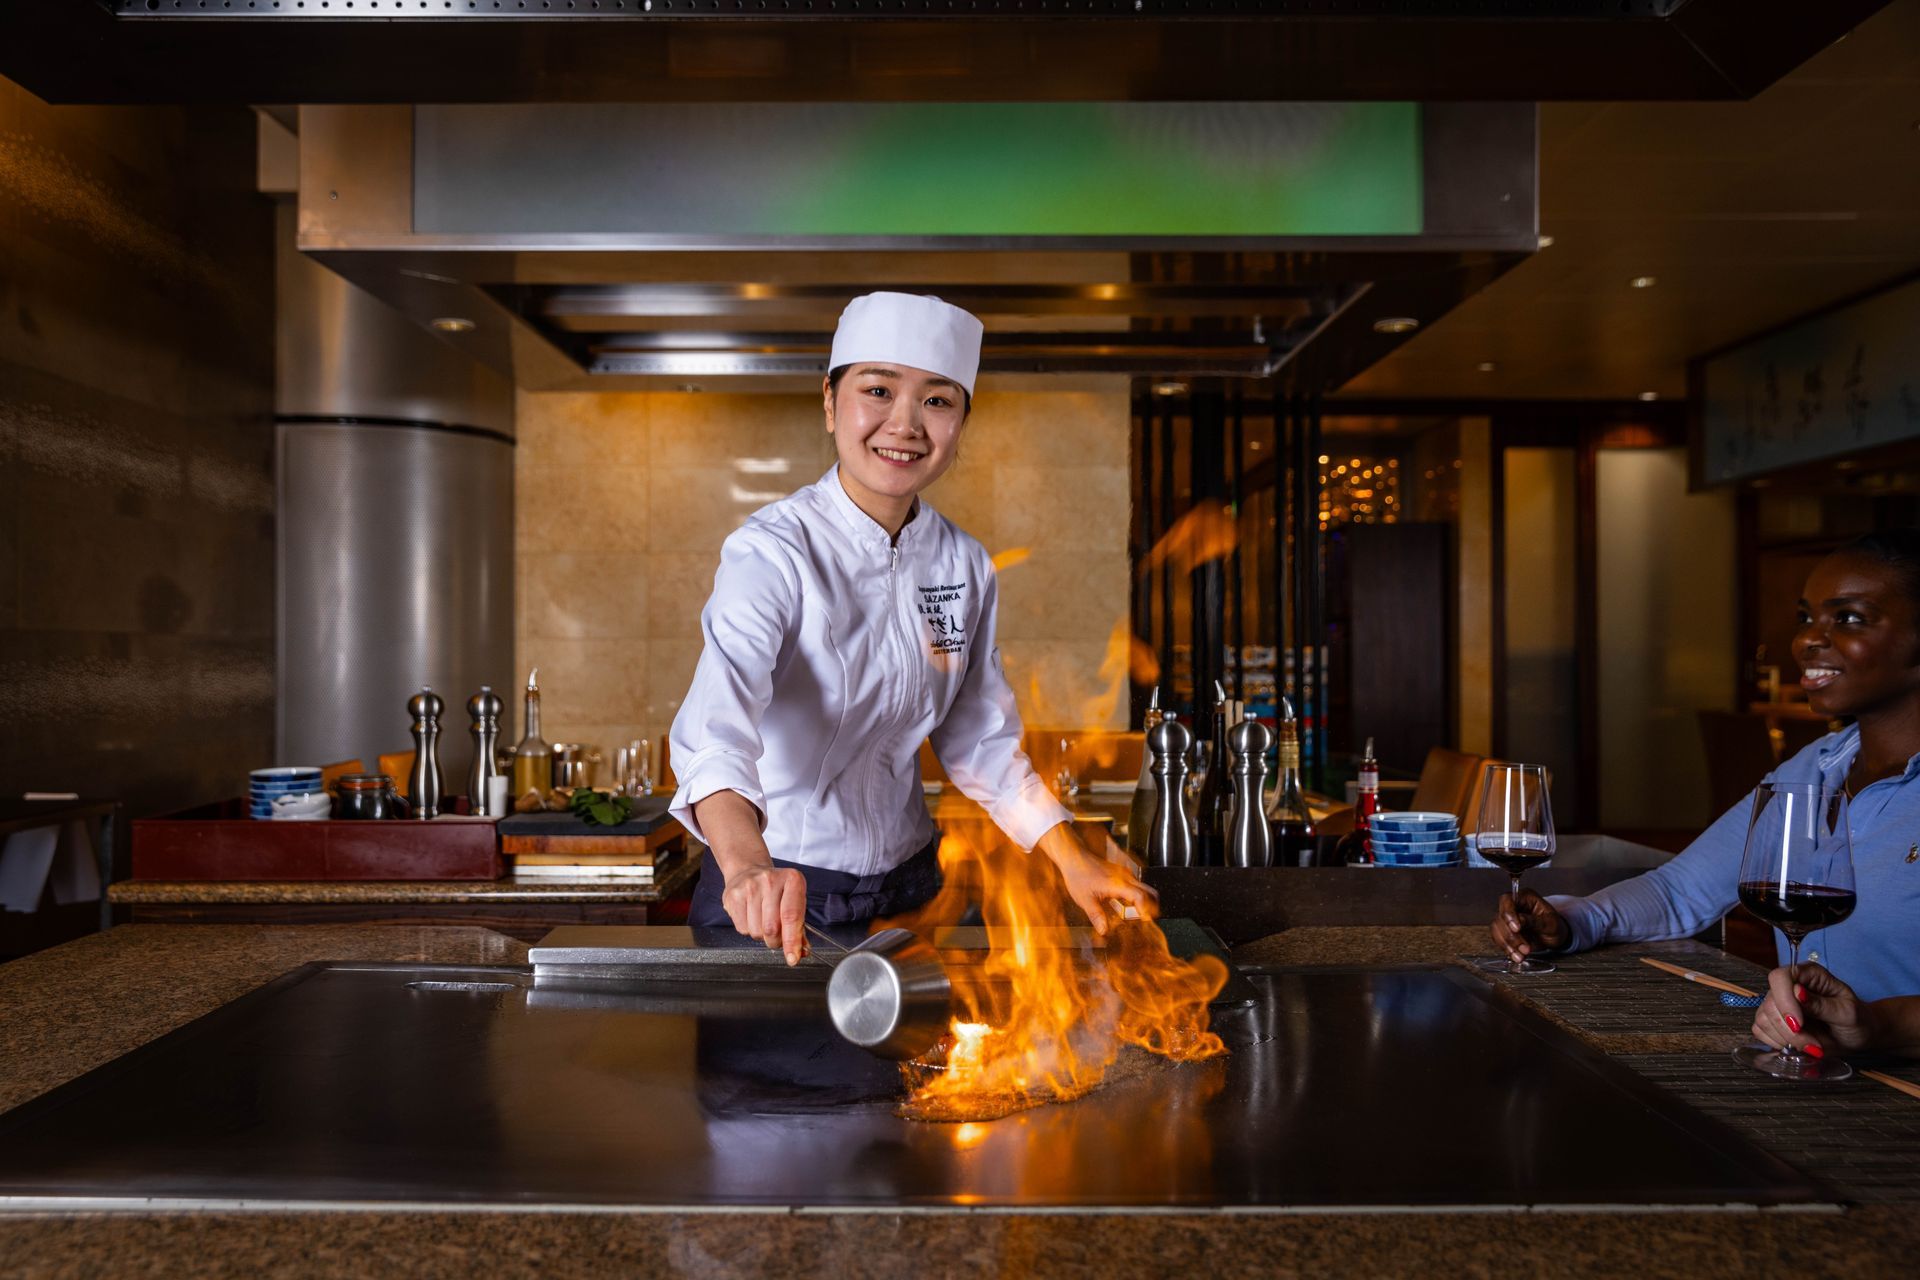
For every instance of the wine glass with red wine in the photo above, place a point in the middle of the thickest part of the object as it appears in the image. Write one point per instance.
(1797, 875)
(1515, 833)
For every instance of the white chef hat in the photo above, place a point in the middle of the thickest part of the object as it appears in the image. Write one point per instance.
(915, 330)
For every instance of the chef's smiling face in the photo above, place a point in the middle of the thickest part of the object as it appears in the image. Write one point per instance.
(1858, 645)
(896, 429)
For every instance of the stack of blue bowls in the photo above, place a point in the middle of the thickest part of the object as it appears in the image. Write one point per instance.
(264, 786)
(1415, 839)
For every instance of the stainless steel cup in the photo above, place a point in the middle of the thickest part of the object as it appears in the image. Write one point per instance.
(574, 764)
(891, 995)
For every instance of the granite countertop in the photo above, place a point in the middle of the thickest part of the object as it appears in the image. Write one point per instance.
(67, 1010)
(676, 875)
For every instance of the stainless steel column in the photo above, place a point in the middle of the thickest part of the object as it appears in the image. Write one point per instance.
(395, 537)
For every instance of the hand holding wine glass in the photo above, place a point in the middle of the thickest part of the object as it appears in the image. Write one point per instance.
(1797, 875)
(1515, 833)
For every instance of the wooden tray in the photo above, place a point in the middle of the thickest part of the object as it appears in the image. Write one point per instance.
(649, 831)
(219, 842)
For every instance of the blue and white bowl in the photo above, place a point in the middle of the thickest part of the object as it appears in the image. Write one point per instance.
(282, 775)
(1443, 858)
(1379, 836)
(1414, 824)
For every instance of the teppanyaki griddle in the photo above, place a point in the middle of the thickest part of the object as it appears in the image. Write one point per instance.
(381, 1085)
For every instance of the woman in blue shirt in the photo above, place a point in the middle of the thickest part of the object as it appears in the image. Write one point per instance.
(1858, 647)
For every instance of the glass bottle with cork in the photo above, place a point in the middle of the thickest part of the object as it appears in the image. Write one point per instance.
(1216, 789)
(1294, 837)
(533, 758)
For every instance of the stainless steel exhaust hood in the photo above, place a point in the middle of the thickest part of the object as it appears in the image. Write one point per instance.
(633, 247)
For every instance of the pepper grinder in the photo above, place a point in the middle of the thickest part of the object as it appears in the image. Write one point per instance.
(423, 783)
(1170, 842)
(1249, 838)
(484, 709)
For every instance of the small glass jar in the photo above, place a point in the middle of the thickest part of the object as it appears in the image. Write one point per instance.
(369, 796)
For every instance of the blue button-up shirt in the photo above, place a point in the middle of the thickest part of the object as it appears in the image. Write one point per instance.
(1876, 950)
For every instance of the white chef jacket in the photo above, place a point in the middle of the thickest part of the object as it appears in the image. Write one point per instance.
(831, 654)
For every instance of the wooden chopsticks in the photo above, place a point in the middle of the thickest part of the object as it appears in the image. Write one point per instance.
(1704, 979)
(1708, 980)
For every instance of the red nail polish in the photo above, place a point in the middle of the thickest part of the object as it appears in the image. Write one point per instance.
(1799, 992)
(1793, 1024)
(1813, 1050)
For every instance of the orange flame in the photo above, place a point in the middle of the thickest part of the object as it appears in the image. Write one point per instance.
(1044, 1014)
(1207, 532)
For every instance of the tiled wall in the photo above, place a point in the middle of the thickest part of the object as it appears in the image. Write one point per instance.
(136, 453)
(622, 502)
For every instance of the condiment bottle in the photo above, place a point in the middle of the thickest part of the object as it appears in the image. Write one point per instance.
(1170, 843)
(1140, 812)
(1216, 789)
(1366, 804)
(533, 758)
(1249, 839)
(484, 709)
(423, 784)
(1293, 833)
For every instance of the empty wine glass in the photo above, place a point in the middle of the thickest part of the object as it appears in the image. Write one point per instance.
(639, 779)
(1515, 833)
(1066, 781)
(1797, 875)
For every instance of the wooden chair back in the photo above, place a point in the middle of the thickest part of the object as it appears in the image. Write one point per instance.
(1449, 782)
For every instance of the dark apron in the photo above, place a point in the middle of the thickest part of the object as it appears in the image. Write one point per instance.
(833, 897)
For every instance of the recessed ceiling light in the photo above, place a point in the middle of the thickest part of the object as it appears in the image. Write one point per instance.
(1546, 242)
(1643, 282)
(1649, 395)
(1395, 324)
(1486, 366)
(453, 324)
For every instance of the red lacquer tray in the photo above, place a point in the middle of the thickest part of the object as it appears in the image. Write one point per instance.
(219, 842)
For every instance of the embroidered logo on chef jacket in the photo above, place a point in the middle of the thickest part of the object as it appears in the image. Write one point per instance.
(941, 609)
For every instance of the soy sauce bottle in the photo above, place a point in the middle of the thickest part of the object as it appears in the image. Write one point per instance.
(1295, 842)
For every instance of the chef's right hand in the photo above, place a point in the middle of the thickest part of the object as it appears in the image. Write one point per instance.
(1528, 925)
(769, 903)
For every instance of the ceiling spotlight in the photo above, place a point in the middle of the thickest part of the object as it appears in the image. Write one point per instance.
(1546, 242)
(1649, 395)
(1395, 324)
(1486, 366)
(1643, 282)
(453, 324)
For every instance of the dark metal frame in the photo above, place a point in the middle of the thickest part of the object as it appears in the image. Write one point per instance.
(245, 51)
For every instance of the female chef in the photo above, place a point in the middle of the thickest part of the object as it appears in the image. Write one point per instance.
(849, 622)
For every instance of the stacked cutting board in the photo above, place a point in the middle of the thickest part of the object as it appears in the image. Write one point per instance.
(563, 846)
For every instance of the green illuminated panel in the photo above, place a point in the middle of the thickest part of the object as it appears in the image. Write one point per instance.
(923, 169)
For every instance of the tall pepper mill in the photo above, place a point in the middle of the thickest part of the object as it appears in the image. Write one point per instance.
(484, 709)
(1249, 838)
(1170, 842)
(423, 783)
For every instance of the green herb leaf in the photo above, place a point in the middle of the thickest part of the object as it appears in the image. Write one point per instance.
(599, 810)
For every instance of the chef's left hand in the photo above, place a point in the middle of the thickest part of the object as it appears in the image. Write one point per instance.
(1103, 887)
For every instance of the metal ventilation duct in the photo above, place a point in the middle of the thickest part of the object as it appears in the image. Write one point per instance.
(395, 539)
